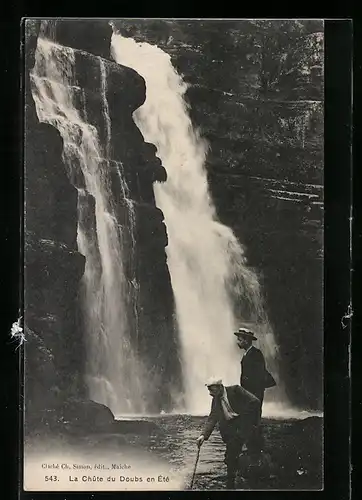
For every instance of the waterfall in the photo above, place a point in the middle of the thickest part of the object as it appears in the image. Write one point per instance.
(115, 374)
(215, 290)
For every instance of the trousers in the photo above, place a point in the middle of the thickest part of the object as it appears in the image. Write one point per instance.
(256, 441)
(235, 435)
(232, 453)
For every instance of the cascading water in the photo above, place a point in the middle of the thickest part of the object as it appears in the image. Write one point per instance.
(115, 374)
(213, 287)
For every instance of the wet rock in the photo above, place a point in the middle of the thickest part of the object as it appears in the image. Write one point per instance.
(123, 87)
(50, 199)
(45, 260)
(40, 372)
(70, 416)
(52, 275)
(87, 415)
(151, 230)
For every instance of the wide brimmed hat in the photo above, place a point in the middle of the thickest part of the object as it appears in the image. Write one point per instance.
(246, 333)
(213, 381)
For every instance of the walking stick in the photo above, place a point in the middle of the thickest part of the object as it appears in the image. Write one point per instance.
(196, 462)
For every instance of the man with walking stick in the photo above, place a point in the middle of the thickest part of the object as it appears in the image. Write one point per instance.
(237, 413)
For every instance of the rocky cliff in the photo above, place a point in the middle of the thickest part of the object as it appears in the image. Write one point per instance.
(256, 94)
(53, 265)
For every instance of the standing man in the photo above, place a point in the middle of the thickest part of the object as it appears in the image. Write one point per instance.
(237, 413)
(255, 378)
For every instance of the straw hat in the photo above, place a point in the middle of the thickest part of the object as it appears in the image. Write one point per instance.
(246, 333)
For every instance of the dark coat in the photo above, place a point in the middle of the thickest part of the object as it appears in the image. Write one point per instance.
(255, 378)
(243, 403)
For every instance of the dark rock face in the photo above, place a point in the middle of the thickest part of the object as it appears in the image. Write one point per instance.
(256, 94)
(53, 266)
(75, 418)
(58, 204)
(87, 416)
(40, 373)
(87, 35)
(72, 416)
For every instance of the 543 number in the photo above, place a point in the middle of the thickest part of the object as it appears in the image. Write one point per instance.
(51, 478)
